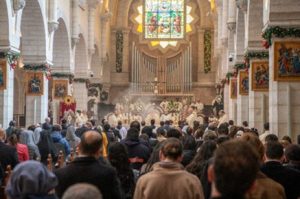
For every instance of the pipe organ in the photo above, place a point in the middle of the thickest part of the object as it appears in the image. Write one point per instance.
(161, 75)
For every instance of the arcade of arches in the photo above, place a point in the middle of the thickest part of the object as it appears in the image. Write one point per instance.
(127, 56)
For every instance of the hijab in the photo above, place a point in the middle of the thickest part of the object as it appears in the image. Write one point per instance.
(37, 134)
(70, 136)
(46, 146)
(26, 137)
(30, 179)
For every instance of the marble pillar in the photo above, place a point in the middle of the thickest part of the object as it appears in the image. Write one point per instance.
(37, 106)
(242, 106)
(258, 104)
(80, 93)
(7, 96)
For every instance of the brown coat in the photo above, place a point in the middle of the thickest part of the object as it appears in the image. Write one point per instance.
(168, 180)
(266, 188)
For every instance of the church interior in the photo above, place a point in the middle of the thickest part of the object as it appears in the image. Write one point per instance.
(137, 60)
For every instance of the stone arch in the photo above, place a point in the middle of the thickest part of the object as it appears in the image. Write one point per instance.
(4, 24)
(81, 62)
(96, 66)
(33, 31)
(61, 48)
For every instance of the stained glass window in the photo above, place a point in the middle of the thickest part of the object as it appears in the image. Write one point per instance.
(164, 19)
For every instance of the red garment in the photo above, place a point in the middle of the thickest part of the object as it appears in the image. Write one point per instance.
(23, 153)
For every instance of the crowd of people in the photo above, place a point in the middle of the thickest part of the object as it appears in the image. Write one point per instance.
(202, 161)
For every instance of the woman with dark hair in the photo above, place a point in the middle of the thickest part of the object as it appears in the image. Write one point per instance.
(22, 149)
(200, 164)
(46, 146)
(118, 157)
(189, 147)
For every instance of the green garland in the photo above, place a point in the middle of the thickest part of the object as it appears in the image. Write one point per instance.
(240, 66)
(278, 32)
(33, 67)
(81, 80)
(62, 75)
(229, 75)
(207, 51)
(257, 55)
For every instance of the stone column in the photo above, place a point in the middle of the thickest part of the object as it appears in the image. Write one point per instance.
(242, 106)
(80, 93)
(7, 96)
(37, 106)
(284, 102)
(105, 41)
(232, 106)
(258, 103)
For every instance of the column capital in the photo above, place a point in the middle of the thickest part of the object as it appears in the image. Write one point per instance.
(242, 5)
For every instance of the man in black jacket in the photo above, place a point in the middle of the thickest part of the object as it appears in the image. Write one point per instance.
(138, 152)
(273, 168)
(86, 168)
(8, 155)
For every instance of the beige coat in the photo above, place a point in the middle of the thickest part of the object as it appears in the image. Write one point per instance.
(168, 181)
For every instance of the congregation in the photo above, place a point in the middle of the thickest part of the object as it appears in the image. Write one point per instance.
(210, 160)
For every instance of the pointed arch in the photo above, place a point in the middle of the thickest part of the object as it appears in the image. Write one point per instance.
(61, 48)
(81, 61)
(33, 33)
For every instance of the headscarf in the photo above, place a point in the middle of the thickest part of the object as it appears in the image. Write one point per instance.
(30, 178)
(26, 137)
(46, 146)
(37, 134)
(70, 136)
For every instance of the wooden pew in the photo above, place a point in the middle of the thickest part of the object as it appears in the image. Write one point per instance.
(7, 175)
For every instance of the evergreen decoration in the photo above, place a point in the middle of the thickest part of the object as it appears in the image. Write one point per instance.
(12, 58)
(240, 66)
(278, 32)
(257, 55)
(36, 68)
(80, 80)
(119, 51)
(207, 51)
(62, 75)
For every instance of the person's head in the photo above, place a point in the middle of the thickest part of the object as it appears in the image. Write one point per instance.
(147, 130)
(152, 122)
(210, 135)
(91, 144)
(118, 156)
(82, 191)
(103, 121)
(132, 134)
(206, 119)
(196, 125)
(143, 123)
(63, 122)
(234, 169)
(292, 153)
(189, 143)
(30, 178)
(119, 123)
(175, 133)
(135, 124)
(12, 123)
(56, 127)
(274, 151)
(171, 150)
(161, 123)
(47, 120)
(267, 126)
(223, 129)
(287, 138)
(271, 138)
(161, 132)
(231, 122)
(254, 141)
(106, 127)
(93, 122)
(31, 127)
(2, 135)
(245, 123)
